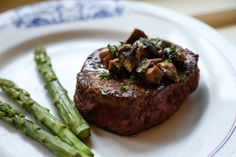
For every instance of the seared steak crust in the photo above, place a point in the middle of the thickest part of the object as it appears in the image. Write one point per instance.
(103, 103)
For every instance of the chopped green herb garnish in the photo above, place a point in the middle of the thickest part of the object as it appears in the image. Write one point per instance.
(132, 79)
(124, 88)
(154, 40)
(179, 53)
(112, 49)
(170, 50)
(169, 60)
(143, 70)
(145, 59)
(184, 78)
(122, 43)
(173, 48)
(105, 75)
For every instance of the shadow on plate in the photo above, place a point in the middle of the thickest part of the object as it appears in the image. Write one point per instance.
(178, 127)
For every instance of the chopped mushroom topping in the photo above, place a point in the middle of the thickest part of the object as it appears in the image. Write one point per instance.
(149, 59)
(105, 56)
(124, 47)
(128, 65)
(181, 56)
(113, 64)
(153, 75)
(130, 58)
(135, 35)
(146, 63)
(104, 52)
(169, 70)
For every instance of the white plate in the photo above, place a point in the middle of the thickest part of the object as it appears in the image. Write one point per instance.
(71, 30)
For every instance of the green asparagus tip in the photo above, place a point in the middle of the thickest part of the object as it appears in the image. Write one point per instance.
(39, 49)
(4, 82)
(14, 117)
(43, 115)
(7, 109)
(66, 108)
(40, 52)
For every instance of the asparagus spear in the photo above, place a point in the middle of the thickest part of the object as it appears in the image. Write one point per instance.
(66, 108)
(55, 144)
(43, 115)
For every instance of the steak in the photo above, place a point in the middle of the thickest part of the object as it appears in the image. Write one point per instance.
(126, 108)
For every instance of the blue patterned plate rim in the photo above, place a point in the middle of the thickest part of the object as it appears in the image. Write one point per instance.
(56, 12)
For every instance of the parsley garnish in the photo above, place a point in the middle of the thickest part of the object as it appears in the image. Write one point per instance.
(170, 50)
(179, 53)
(169, 60)
(145, 59)
(105, 75)
(173, 48)
(184, 78)
(143, 70)
(154, 40)
(122, 43)
(124, 88)
(112, 49)
(132, 79)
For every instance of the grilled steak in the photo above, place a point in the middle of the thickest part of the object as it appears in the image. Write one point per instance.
(124, 106)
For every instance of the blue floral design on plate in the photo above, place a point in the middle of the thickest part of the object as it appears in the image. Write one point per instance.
(55, 12)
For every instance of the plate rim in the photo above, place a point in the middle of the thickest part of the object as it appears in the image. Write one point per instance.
(196, 25)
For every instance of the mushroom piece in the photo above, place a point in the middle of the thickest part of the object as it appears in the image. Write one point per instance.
(151, 47)
(153, 75)
(135, 35)
(146, 63)
(128, 65)
(131, 58)
(105, 56)
(178, 56)
(124, 47)
(181, 56)
(114, 64)
(169, 70)
(141, 50)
